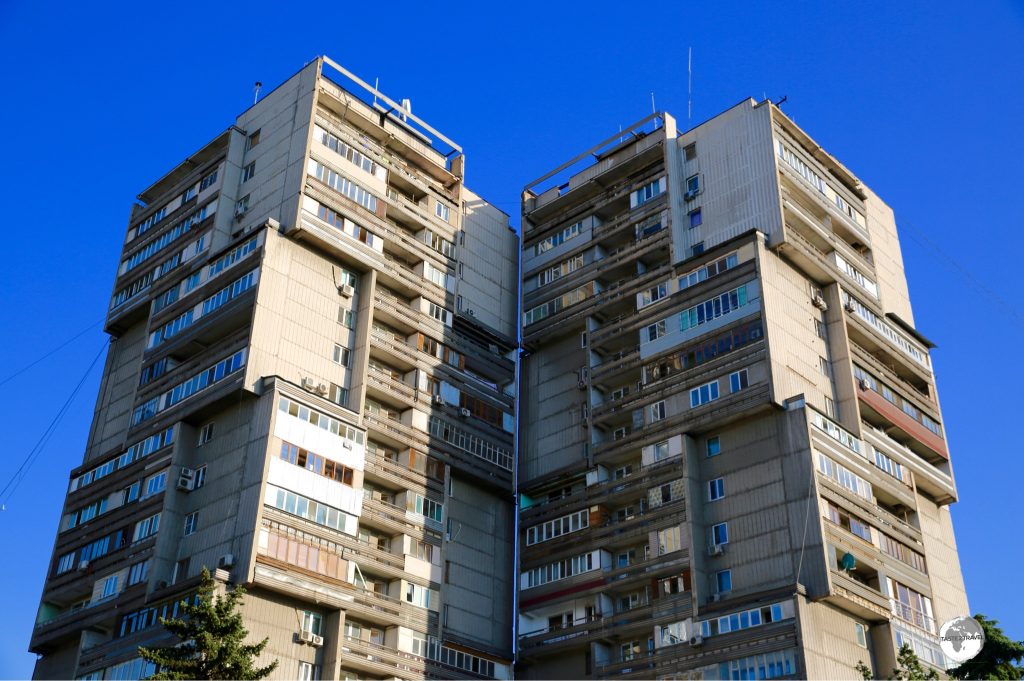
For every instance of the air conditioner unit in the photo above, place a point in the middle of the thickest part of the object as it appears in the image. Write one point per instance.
(186, 479)
(306, 636)
(850, 307)
(316, 640)
(227, 561)
(820, 303)
(321, 389)
(696, 640)
(438, 399)
(346, 290)
(83, 564)
(691, 195)
(716, 550)
(347, 444)
(464, 413)
(309, 384)
(864, 385)
(240, 212)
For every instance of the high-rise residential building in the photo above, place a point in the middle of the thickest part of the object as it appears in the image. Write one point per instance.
(732, 462)
(309, 390)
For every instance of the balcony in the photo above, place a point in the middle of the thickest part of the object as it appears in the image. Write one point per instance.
(894, 421)
(913, 616)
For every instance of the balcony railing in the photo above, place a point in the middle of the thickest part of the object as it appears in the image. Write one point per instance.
(912, 615)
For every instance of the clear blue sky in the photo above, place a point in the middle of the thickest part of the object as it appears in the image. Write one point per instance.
(924, 101)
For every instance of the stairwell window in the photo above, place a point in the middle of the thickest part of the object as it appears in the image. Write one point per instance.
(646, 193)
(205, 434)
(657, 411)
(342, 356)
(191, 523)
(716, 489)
(723, 581)
(695, 218)
(693, 184)
(714, 446)
(720, 534)
(252, 140)
(248, 172)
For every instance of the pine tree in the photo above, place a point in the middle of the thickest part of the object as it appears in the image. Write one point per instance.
(212, 638)
(909, 668)
(997, 657)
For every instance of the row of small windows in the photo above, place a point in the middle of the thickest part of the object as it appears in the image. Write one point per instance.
(345, 186)
(562, 569)
(552, 529)
(704, 351)
(211, 304)
(347, 152)
(558, 304)
(192, 386)
(180, 200)
(323, 421)
(137, 451)
(316, 463)
(897, 400)
(700, 314)
(193, 281)
(165, 239)
(311, 510)
(709, 392)
(559, 238)
(468, 442)
(183, 256)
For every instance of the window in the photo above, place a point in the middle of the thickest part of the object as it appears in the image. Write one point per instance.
(308, 671)
(428, 507)
(559, 526)
(338, 395)
(693, 184)
(716, 489)
(738, 380)
(205, 434)
(342, 356)
(131, 493)
(720, 534)
(441, 211)
(109, 586)
(200, 478)
(668, 540)
(704, 394)
(156, 484)
(137, 573)
(714, 446)
(830, 407)
(655, 331)
(824, 367)
(561, 569)
(346, 318)
(252, 140)
(248, 172)
(713, 308)
(312, 622)
(690, 152)
(723, 581)
(820, 330)
(208, 181)
(191, 522)
(242, 205)
(146, 527)
(657, 411)
(695, 218)
(860, 631)
(559, 238)
(417, 595)
(648, 192)
(697, 249)
(344, 186)
(65, 562)
(180, 571)
(661, 451)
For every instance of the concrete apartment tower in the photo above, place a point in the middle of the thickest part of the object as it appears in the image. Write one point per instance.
(310, 390)
(731, 458)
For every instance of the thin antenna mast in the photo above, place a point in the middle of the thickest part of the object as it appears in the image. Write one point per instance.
(654, 110)
(256, 95)
(376, 89)
(689, 87)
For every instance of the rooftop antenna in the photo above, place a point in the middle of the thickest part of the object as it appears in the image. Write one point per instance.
(782, 100)
(376, 88)
(256, 96)
(654, 110)
(689, 87)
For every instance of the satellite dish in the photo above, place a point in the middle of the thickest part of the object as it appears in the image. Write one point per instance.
(848, 562)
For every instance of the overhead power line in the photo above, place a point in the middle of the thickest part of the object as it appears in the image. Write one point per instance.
(19, 475)
(49, 354)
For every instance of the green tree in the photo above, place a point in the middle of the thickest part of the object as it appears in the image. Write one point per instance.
(909, 668)
(997, 657)
(212, 638)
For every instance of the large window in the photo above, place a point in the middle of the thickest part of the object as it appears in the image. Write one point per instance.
(562, 569)
(558, 238)
(552, 529)
(323, 421)
(345, 186)
(703, 394)
(311, 510)
(146, 527)
(316, 463)
(186, 389)
(845, 477)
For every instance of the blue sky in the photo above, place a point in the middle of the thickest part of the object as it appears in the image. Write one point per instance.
(922, 100)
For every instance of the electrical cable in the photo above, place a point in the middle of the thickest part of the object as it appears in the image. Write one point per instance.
(19, 475)
(78, 335)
